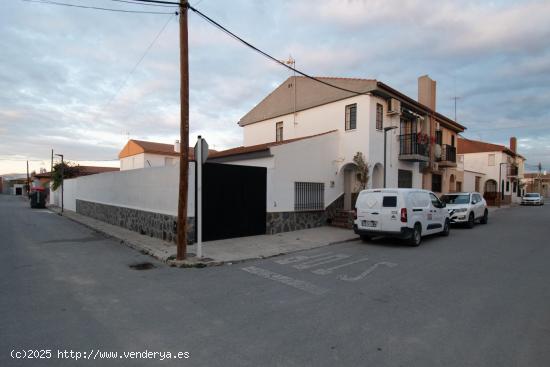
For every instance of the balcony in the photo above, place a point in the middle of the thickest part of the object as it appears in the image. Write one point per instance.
(411, 150)
(448, 156)
(513, 171)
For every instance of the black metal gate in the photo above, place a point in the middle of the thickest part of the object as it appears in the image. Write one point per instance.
(233, 201)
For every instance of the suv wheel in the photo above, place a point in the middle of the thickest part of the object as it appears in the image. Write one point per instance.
(485, 217)
(416, 236)
(471, 221)
(446, 228)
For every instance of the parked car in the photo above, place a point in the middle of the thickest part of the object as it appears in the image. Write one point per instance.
(466, 208)
(532, 198)
(403, 213)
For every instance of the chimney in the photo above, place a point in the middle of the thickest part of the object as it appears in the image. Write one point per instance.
(426, 91)
(513, 144)
(177, 146)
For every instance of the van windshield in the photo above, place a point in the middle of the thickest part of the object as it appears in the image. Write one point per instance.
(456, 199)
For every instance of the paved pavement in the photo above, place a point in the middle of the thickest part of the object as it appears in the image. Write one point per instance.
(476, 298)
(221, 251)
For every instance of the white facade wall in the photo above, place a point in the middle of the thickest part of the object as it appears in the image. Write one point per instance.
(365, 138)
(479, 162)
(147, 160)
(154, 190)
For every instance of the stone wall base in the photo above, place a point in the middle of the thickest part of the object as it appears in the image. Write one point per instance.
(151, 224)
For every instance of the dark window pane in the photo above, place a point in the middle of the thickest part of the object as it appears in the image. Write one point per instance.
(389, 201)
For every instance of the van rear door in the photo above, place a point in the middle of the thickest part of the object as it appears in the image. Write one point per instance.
(378, 210)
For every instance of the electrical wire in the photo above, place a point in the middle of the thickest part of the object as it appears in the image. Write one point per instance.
(160, 2)
(265, 54)
(135, 2)
(94, 7)
(139, 62)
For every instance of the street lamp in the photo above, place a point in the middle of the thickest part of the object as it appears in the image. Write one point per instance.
(500, 183)
(386, 129)
(62, 178)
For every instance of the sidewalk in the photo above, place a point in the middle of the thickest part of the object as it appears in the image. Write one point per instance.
(221, 251)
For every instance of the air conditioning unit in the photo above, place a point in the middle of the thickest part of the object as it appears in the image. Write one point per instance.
(434, 166)
(394, 106)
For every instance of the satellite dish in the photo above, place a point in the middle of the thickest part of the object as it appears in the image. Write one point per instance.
(437, 151)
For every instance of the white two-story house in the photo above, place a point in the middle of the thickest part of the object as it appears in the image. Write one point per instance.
(494, 170)
(307, 134)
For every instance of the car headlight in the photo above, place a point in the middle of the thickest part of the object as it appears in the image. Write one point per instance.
(460, 210)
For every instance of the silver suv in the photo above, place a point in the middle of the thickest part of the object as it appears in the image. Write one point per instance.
(466, 208)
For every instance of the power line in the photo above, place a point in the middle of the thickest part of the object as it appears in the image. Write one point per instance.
(144, 4)
(95, 7)
(265, 54)
(138, 62)
(160, 2)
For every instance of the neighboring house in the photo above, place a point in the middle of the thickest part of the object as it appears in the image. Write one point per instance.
(494, 170)
(537, 182)
(14, 184)
(333, 125)
(144, 154)
(43, 179)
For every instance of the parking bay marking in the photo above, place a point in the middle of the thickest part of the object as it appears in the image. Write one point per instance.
(295, 283)
(366, 272)
(320, 261)
(298, 258)
(327, 271)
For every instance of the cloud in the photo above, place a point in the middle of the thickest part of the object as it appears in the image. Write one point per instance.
(65, 82)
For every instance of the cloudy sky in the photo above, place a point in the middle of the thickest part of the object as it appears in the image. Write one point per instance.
(69, 81)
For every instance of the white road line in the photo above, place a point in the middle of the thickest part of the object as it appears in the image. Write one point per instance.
(320, 261)
(330, 270)
(298, 258)
(366, 272)
(295, 283)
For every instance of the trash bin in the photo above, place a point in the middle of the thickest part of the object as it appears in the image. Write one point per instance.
(38, 197)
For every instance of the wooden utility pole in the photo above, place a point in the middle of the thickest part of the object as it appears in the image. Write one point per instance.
(184, 135)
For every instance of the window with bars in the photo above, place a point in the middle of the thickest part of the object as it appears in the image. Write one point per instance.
(309, 196)
(439, 137)
(279, 131)
(379, 116)
(351, 116)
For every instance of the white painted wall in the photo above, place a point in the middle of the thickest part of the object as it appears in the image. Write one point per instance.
(146, 160)
(365, 138)
(479, 162)
(153, 189)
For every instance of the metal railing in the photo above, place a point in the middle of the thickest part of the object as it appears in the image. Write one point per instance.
(409, 144)
(448, 153)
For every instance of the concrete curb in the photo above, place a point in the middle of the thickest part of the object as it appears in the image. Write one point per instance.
(169, 258)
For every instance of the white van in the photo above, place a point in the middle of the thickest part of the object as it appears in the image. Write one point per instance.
(403, 213)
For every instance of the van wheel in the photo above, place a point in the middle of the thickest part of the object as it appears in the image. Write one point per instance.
(416, 236)
(471, 221)
(446, 228)
(485, 217)
(365, 238)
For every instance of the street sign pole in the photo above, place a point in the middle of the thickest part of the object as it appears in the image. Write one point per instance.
(198, 155)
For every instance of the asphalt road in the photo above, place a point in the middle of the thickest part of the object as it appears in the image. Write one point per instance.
(480, 297)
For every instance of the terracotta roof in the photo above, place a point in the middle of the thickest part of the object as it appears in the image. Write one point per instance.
(260, 147)
(536, 175)
(156, 148)
(465, 146)
(134, 147)
(83, 171)
(310, 93)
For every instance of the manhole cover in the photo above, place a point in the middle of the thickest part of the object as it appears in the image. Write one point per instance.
(142, 266)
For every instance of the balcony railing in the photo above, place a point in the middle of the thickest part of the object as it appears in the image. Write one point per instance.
(411, 149)
(448, 154)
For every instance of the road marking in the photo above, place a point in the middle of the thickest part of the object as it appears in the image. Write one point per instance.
(320, 261)
(366, 272)
(295, 283)
(298, 258)
(330, 270)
